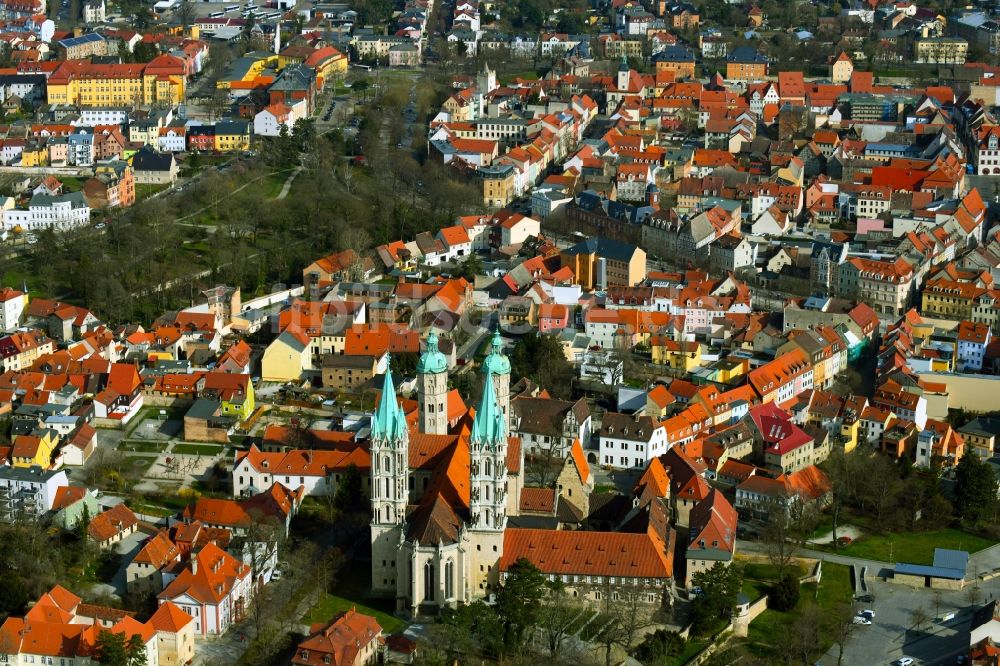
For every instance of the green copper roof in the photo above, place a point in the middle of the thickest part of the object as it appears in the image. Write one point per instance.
(488, 429)
(496, 362)
(389, 422)
(432, 361)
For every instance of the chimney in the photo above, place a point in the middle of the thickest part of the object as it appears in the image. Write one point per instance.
(194, 564)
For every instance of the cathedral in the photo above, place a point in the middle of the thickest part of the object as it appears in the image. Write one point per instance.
(443, 482)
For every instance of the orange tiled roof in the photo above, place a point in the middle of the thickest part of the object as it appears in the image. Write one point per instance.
(588, 553)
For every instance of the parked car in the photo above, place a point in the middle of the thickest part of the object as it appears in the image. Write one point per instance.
(866, 598)
(867, 614)
(861, 620)
(905, 661)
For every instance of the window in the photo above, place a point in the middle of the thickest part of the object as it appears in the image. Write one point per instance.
(429, 581)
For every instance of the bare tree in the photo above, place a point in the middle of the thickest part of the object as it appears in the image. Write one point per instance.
(788, 526)
(842, 627)
(628, 614)
(919, 618)
(557, 614)
(804, 634)
(973, 594)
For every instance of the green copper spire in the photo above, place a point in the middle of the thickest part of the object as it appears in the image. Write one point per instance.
(488, 429)
(432, 361)
(496, 362)
(389, 422)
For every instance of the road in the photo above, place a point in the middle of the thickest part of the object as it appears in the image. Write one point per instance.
(892, 633)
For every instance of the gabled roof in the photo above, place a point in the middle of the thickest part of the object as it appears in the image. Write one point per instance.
(210, 580)
(111, 523)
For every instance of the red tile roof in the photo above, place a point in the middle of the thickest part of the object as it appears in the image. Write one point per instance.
(589, 553)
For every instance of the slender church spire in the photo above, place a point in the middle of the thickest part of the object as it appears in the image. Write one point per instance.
(488, 428)
(389, 422)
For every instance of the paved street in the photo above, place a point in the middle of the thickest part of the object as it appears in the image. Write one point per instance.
(891, 634)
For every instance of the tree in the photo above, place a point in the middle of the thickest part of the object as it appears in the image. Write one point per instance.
(842, 627)
(471, 267)
(556, 616)
(658, 646)
(361, 86)
(540, 357)
(113, 650)
(185, 13)
(785, 594)
(519, 601)
(919, 618)
(803, 638)
(463, 632)
(350, 496)
(720, 587)
(841, 470)
(975, 488)
(878, 483)
(788, 526)
(627, 614)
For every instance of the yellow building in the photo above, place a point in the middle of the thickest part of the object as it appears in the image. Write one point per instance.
(35, 155)
(328, 63)
(682, 357)
(234, 392)
(34, 449)
(951, 299)
(600, 262)
(286, 358)
(159, 82)
(941, 50)
(248, 68)
(232, 136)
(849, 434)
(499, 184)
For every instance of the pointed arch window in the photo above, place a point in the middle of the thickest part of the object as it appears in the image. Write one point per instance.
(449, 580)
(429, 581)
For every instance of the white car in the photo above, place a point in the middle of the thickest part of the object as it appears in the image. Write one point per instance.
(905, 661)
(870, 614)
(858, 619)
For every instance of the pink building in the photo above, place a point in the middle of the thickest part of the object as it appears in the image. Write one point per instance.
(552, 317)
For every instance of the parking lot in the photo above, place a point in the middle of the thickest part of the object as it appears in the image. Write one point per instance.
(892, 634)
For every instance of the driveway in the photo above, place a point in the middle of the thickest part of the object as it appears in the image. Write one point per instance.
(892, 634)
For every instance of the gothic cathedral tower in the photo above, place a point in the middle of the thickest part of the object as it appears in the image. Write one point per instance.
(488, 470)
(390, 438)
(497, 366)
(432, 389)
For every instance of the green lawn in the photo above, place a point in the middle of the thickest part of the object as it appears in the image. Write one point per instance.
(197, 449)
(771, 625)
(580, 620)
(143, 190)
(912, 547)
(595, 627)
(151, 509)
(691, 648)
(329, 605)
(142, 446)
(765, 571)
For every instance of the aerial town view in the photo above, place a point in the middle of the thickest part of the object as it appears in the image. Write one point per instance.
(514, 332)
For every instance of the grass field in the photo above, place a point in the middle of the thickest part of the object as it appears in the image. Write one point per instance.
(691, 648)
(595, 626)
(197, 449)
(151, 509)
(143, 190)
(142, 447)
(329, 605)
(912, 547)
(771, 625)
(580, 620)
